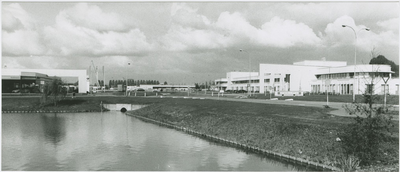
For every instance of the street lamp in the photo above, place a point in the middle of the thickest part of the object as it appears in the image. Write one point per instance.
(385, 79)
(126, 90)
(249, 85)
(355, 57)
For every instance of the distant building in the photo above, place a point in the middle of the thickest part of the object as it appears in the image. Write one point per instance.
(32, 80)
(167, 87)
(311, 76)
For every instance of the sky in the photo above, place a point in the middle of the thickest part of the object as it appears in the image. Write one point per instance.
(192, 42)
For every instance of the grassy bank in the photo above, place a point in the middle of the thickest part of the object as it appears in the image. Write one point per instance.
(391, 99)
(83, 103)
(303, 132)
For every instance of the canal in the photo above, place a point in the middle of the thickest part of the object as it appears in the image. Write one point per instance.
(112, 141)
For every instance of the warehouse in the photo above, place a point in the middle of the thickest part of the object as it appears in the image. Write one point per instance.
(313, 76)
(33, 80)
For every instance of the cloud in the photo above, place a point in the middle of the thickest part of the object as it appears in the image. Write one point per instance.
(336, 35)
(182, 14)
(14, 17)
(92, 17)
(190, 31)
(287, 33)
(66, 39)
(19, 33)
(275, 33)
(22, 42)
(181, 38)
(81, 30)
(390, 24)
(74, 34)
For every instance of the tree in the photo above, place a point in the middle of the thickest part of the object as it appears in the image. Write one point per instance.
(55, 90)
(165, 83)
(380, 59)
(370, 131)
(197, 86)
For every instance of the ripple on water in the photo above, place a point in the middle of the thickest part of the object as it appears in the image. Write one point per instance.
(115, 142)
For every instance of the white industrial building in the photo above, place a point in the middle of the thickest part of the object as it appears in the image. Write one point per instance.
(19, 78)
(314, 77)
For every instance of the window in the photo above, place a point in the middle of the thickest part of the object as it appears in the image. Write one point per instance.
(369, 89)
(266, 81)
(266, 74)
(287, 78)
(277, 79)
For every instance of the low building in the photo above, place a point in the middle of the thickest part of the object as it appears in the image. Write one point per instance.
(27, 80)
(314, 76)
(168, 88)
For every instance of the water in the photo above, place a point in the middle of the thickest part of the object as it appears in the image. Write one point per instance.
(113, 141)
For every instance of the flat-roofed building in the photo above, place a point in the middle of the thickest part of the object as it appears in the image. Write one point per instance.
(22, 79)
(170, 87)
(314, 76)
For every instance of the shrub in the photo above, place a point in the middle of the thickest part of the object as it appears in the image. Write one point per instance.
(349, 163)
(365, 137)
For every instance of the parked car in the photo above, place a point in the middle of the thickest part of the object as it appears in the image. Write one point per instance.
(228, 91)
(15, 91)
(140, 89)
(241, 91)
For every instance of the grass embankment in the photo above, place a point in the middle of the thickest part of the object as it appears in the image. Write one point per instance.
(391, 99)
(304, 132)
(80, 104)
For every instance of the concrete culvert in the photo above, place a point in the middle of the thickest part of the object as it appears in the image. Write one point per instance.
(123, 109)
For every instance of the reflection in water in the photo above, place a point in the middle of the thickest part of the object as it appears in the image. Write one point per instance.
(53, 127)
(114, 141)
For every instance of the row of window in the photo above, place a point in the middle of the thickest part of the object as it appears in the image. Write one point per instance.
(351, 75)
(245, 81)
(258, 81)
(275, 80)
(267, 74)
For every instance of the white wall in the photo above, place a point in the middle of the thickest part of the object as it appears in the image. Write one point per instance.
(81, 74)
(300, 76)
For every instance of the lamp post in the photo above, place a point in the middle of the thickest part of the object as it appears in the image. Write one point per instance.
(327, 85)
(385, 80)
(249, 85)
(127, 82)
(355, 57)
(126, 89)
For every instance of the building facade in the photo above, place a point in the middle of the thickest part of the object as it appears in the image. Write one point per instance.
(24, 79)
(317, 77)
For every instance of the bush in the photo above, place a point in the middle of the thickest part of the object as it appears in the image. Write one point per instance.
(349, 163)
(365, 137)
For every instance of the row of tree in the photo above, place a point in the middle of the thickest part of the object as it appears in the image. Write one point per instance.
(204, 85)
(131, 82)
(380, 59)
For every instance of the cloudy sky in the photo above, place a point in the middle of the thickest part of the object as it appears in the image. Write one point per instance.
(189, 42)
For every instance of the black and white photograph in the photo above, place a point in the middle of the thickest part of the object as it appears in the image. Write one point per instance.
(200, 86)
